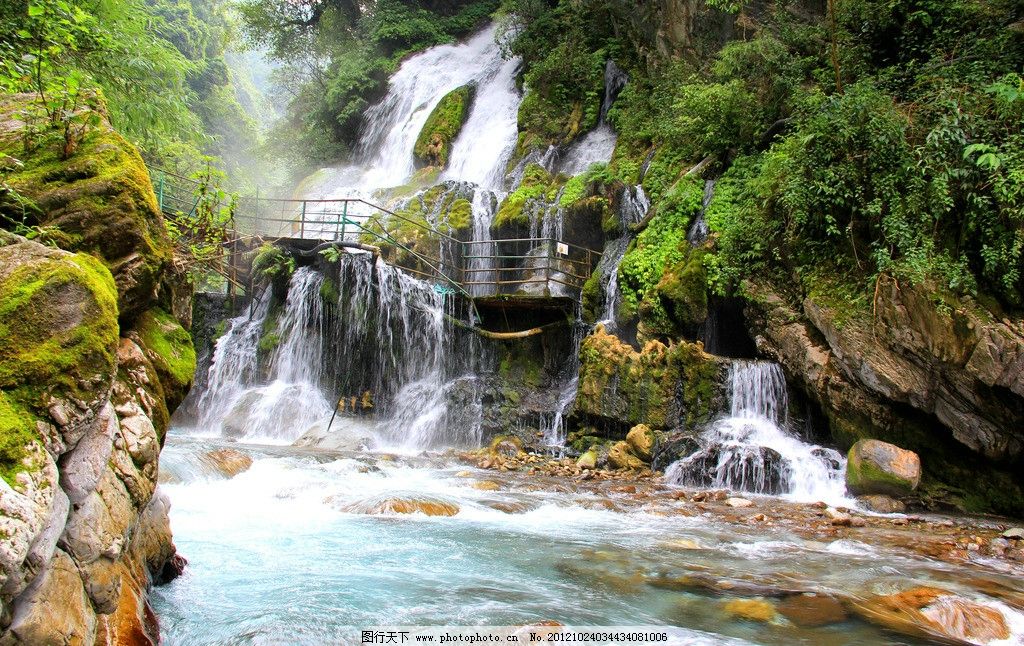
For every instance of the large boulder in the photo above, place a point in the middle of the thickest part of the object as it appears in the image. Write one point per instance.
(641, 441)
(100, 200)
(58, 343)
(875, 467)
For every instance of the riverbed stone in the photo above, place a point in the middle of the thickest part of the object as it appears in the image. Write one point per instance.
(875, 467)
(738, 502)
(588, 460)
(929, 613)
(620, 457)
(641, 441)
(750, 609)
(228, 462)
(882, 504)
(812, 610)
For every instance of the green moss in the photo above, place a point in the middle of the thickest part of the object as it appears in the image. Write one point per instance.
(169, 347)
(269, 342)
(658, 386)
(683, 289)
(329, 292)
(660, 246)
(592, 293)
(58, 325)
(100, 199)
(866, 476)
(536, 183)
(575, 189)
(460, 215)
(17, 435)
(434, 144)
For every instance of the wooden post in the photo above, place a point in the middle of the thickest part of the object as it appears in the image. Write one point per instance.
(302, 229)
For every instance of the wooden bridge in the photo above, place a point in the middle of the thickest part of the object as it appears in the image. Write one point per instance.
(516, 273)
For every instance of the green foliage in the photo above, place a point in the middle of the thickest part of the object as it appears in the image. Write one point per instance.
(199, 236)
(660, 246)
(564, 91)
(272, 263)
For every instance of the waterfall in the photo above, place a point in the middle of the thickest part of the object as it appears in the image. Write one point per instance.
(753, 450)
(598, 144)
(552, 425)
(239, 401)
(698, 232)
(385, 342)
(480, 269)
(633, 206)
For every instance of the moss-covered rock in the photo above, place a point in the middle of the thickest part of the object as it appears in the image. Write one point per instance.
(659, 276)
(683, 289)
(662, 386)
(875, 467)
(169, 347)
(58, 338)
(100, 200)
(434, 144)
(512, 215)
(641, 441)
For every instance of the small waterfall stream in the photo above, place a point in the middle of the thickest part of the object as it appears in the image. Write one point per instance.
(753, 450)
(633, 206)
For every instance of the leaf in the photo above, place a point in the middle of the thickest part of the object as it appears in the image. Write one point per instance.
(35, 10)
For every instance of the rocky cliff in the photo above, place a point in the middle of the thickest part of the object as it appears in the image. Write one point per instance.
(92, 362)
(938, 374)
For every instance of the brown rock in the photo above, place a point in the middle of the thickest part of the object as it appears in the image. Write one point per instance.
(812, 610)
(928, 612)
(229, 461)
(882, 504)
(875, 467)
(750, 609)
(641, 441)
(620, 457)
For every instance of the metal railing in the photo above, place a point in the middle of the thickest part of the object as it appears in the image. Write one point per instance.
(477, 268)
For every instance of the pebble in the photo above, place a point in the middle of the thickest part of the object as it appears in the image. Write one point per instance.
(1015, 533)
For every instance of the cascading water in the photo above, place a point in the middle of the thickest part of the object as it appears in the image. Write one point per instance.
(240, 403)
(699, 231)
(598, 144)
(751, 450)
(633, 206)
(552, 425)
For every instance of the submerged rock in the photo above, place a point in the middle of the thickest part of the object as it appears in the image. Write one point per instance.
(929, 613)
(750, 609)
(812, 610)
(875, 467)
(413, 504)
